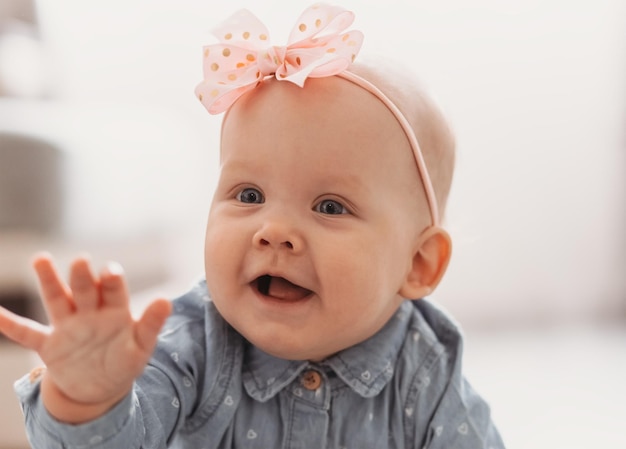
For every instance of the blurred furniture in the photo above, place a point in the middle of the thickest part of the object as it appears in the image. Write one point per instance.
(31, 202)
(30, 183)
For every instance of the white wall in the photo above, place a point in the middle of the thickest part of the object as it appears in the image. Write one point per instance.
(535, 91)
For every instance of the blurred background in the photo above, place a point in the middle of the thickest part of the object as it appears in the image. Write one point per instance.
(104, 149)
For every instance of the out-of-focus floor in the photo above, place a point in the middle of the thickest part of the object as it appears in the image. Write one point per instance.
(557, 387)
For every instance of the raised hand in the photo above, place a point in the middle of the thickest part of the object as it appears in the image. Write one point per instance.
(93, 348)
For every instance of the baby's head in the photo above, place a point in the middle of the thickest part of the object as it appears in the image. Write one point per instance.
(432, 131)
(320, 227)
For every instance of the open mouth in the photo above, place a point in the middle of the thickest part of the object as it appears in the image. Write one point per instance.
(280, 288)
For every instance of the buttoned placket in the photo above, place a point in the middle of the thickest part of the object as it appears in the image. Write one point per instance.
(310, 402)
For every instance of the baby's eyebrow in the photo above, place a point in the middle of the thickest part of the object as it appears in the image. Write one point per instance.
(343, 183)
(238, 165)
(349, 181)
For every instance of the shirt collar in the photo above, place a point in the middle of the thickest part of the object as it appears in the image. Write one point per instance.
(366, 368)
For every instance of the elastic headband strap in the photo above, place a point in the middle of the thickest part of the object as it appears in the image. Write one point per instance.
(410, 134)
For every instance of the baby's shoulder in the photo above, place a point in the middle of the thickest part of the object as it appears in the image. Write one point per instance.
(436, 325)
(433, 344)
(196, 326)
(194, 308)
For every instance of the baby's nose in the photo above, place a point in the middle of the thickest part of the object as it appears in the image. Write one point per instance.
(278, 235)
(286, 243)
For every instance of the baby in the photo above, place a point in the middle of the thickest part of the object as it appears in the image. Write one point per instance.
(324, 222)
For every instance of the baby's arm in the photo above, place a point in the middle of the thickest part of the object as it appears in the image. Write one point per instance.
(93, 348)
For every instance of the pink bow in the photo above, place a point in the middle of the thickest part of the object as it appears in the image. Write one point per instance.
(243, 58)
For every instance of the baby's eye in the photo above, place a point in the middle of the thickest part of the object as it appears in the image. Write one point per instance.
(250, 196)
(331, 207)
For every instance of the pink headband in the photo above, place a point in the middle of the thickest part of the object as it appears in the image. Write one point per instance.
(315, 49)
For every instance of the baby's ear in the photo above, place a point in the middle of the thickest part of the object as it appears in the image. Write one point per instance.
(430, 261)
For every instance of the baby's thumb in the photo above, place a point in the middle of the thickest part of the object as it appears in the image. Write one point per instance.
(150, 324)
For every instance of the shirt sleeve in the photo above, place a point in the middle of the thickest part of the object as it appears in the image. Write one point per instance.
(118, 428)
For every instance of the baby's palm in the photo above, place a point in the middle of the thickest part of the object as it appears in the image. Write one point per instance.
(92, 356)
(93, 349)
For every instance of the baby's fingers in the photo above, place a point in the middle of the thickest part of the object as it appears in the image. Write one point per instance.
(23, 331)
(113, 286)
(84, 285)
(57, 298)
(150, 324)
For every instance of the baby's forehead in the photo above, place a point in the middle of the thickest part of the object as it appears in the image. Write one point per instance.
(322, 105)
(331, 106)
(340, 122)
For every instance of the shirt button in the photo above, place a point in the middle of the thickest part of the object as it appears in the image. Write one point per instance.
(311, 380)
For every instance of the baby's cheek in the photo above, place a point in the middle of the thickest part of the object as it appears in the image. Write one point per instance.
(216, 258)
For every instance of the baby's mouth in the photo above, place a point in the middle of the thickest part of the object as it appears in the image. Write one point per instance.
(280, 288)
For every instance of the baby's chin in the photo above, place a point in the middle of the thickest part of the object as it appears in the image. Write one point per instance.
(290, 348)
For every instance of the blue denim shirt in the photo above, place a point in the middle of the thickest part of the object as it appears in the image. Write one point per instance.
(207, 387)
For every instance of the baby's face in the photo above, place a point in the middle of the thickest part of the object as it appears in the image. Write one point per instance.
(314, 220)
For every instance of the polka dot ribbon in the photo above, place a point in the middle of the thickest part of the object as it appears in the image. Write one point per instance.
(316, 48)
